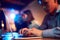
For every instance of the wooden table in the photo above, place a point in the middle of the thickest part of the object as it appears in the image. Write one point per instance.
(36, 38)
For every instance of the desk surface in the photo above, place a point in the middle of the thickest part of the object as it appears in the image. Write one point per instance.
(36, 38)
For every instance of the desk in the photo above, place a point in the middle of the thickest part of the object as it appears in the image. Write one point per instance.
(36, 38)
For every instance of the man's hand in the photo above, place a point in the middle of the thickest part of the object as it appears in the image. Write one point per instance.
(36, 32)
(21, 31)
(24, 31)
(31, 32)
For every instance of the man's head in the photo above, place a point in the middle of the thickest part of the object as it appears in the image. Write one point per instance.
(49, 5)
(27, 15)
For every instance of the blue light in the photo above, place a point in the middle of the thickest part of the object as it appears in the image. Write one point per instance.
(39, 2)
(18, 19)
(12, 15)
(8, 36)
(12, 10)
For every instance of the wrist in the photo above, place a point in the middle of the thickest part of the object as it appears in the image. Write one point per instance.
(40, 33)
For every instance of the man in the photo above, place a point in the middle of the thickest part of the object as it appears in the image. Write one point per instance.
(19, 23)
(23, 20)
(51, 23)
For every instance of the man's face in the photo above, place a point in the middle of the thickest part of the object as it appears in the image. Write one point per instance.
(25, 17)
(49, 5)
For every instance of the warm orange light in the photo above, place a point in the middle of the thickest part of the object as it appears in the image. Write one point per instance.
(2, 24)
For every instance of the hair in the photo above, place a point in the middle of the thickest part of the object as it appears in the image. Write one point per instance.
(28, 12)
(58, 1)
(54, 0)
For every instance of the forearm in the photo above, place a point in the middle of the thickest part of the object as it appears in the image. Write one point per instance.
(48, 33)
(54, 32)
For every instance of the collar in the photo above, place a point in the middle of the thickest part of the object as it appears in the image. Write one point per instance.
(58, 9)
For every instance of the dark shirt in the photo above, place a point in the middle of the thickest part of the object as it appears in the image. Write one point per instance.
(51, 21)
(51, 25)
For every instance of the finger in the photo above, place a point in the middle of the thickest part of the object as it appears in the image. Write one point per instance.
(20, 31)
(24, 30)
(29, 31)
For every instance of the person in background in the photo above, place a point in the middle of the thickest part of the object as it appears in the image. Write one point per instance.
(51, 24)
(28, 17)
(23, 20)
(19, 23)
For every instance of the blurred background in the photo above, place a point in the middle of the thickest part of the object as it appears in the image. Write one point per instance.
(13, 7)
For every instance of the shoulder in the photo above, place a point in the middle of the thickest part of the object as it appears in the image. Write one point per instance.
(46, 16)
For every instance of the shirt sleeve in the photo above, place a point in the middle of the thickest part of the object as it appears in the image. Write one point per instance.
(48, 33)
(54, 32)
(33, 25)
